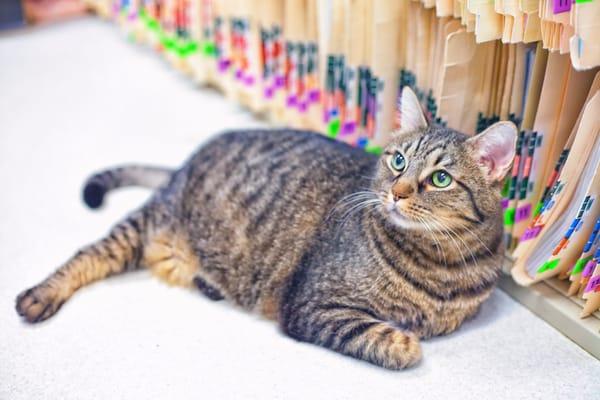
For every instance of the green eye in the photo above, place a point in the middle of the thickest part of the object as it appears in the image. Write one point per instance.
(398, 162)
(441, 179)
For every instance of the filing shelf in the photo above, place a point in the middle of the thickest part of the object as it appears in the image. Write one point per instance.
(548, 300)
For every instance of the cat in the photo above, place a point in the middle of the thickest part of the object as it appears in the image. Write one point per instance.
(359, 253)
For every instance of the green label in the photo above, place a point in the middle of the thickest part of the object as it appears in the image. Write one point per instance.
(509, 216)
(538, 209)
(153, 24)
(548, 265)
(184, 49)
(209, 49)
(506, 187)
(373, 149)
(580, 265)
(191, 47)
(333, 128)
(168, 42)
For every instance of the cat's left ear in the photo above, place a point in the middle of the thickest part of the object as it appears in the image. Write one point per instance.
(411, 114)
(494, 149)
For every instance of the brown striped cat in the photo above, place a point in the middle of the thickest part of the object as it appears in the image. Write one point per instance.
(361, 254)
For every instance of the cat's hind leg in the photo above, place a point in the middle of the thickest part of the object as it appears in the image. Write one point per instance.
(169, 256)
(118, 252)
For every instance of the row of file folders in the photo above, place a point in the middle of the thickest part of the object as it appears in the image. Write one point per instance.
(338, 67)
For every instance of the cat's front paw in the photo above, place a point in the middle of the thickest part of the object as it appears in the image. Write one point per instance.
(38, 303)
(404, 351)
(392, 348)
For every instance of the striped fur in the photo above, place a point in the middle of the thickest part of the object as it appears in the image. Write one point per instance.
(298, 228)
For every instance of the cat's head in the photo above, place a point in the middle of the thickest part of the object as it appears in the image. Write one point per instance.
(435, 177)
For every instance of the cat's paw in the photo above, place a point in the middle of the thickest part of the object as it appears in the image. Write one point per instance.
(396, 350)
(38, 303)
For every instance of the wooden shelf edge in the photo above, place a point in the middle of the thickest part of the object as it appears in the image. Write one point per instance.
(558, 310)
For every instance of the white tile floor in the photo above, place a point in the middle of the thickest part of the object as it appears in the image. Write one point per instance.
(78, 97)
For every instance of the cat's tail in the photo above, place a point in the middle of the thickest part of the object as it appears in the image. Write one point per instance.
(99, 184)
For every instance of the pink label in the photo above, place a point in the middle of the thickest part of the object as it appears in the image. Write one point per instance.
(561, 6)
(523, 213)
(593, 284)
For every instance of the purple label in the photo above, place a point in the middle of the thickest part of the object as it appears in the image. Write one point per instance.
(291, 101)
(523, 213)
(348, 128)
(531, 233)
(238, 74)
(504, 204)
(279, 81)
(302, 106)
(593, 284)
(223, 65)
(561, 6)
(249, 80)
(314, 96)
(589, 268)
(268, 93)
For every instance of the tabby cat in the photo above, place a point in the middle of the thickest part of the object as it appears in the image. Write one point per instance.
(361, 254)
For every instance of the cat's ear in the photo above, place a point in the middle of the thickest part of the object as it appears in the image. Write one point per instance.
(494, 149)
(411, 113)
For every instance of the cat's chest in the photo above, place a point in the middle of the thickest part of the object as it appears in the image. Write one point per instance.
(427, 308)
(428, 318)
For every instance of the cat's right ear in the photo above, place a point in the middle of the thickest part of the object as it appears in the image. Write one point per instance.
(494, 149)
(412, 117)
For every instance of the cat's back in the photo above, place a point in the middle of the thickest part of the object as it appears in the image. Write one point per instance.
(254, 200)
(243, 167)
(279, 147)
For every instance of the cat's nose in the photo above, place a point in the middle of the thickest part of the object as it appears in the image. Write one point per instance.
(402, 190)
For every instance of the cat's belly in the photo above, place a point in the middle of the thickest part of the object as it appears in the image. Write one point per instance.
(250, 271)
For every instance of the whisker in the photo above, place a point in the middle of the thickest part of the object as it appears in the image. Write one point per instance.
(450, 236)
(437, 243)
(355, 209)
(350, 199)
(453, 235)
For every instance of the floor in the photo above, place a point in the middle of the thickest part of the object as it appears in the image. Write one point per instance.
(77, 97)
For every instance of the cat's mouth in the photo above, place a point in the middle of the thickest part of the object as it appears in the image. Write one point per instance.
(400, 218)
